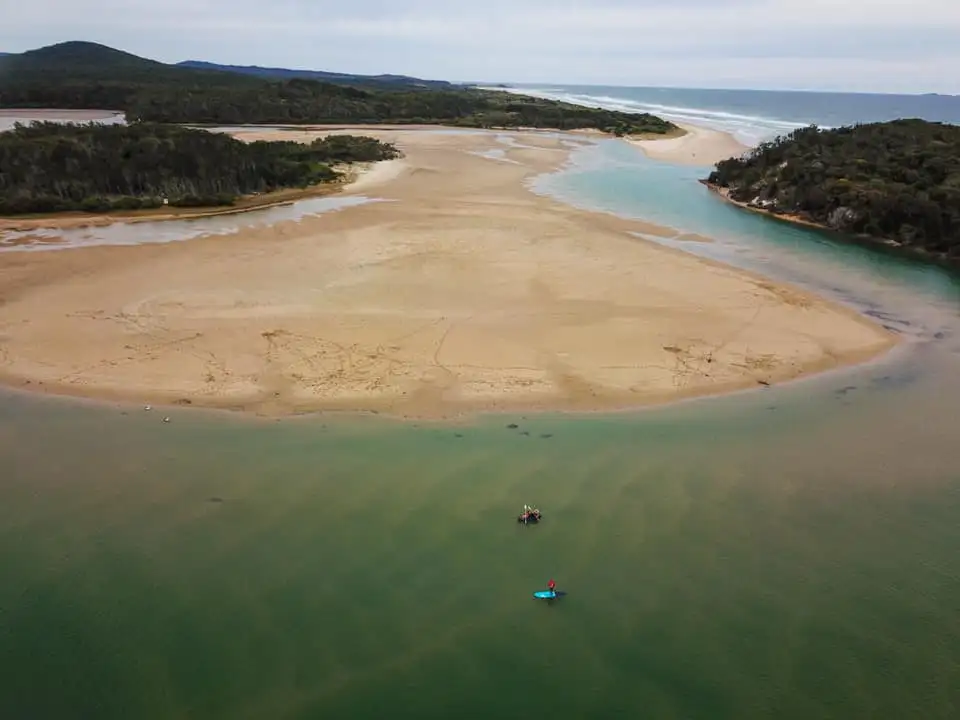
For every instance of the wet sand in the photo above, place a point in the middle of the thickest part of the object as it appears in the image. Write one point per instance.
(462, 292)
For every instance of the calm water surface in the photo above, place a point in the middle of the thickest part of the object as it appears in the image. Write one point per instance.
(791, 552)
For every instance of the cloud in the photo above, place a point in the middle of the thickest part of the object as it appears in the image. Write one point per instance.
(857, 44)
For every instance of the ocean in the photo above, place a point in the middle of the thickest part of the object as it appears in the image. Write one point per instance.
(789, 552)
(753, 116)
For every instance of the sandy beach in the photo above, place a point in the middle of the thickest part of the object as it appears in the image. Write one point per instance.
(697, 146)
(459, 291)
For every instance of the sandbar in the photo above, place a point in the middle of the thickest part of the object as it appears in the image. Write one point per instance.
(697, 146)
(460, 291)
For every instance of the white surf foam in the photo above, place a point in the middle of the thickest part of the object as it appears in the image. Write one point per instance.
(748, 129)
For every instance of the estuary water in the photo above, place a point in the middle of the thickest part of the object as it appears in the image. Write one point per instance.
(790, 552)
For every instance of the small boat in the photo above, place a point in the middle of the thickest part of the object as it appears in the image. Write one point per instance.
(529, 515)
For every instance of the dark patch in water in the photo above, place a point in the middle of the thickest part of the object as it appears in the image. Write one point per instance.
(845, 390)
(512, 426)
(458, 435)
(546, 435)
(894, 380)
(524, 432)
(215, 499)
(887, 317)
(940, 335)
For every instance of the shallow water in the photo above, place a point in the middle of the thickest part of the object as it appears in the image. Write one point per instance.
(790, 552)
(9, 120)
(164, 231)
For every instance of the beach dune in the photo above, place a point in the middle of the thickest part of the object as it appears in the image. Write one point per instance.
(458, 291)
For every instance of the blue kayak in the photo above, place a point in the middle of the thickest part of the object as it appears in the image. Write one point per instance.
(545, 594)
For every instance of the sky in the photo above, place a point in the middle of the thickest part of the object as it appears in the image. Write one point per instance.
(910, 46)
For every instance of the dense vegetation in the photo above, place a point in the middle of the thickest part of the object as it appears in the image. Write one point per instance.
(305, 101)
(85, 75)
(381, 81)
(49, 167)
(897, 181)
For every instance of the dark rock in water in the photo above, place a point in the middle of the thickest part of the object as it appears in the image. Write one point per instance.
(458, 434)
(512, 426)
(771, 407)
(524, 432)
(939, 335)
(215, 499)
(547, 435)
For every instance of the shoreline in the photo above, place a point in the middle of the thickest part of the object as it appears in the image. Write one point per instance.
(353, 175)
(866, 241)
(127, 405)
(247, 203)
(697, 145)
(519, 314)
(690, 140)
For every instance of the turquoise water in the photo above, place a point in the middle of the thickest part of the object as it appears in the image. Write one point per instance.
(790, 552)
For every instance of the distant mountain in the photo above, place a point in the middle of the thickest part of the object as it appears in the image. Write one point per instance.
(70, 61)
(386, 80)
(79, 60)
(88, 75)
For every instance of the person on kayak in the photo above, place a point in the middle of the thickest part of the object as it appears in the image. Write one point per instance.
(552, 585)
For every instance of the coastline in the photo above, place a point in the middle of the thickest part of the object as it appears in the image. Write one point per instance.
(697, 145)
(468, 294)
(248, 203)
(868, 241)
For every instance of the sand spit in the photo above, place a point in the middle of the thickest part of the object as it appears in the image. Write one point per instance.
(697, 146)
(466, 292)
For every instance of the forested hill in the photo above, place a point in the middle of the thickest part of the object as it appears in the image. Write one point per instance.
(897, 181)
(86, 75)
(383, 82)
(50, 167)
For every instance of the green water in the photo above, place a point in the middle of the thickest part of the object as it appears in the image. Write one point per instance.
(789, 553)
